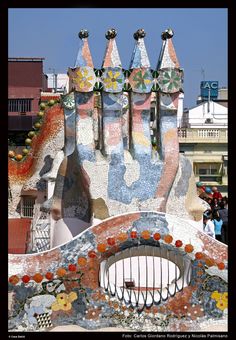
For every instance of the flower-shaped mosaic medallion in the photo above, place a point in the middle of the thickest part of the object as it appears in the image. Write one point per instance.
(122, 100)
(221, 299)
(68, 101)
(141, 80)
(82, 78)
(113, 79)
(170, 80)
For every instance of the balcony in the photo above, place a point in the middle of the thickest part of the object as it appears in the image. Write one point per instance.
(201, 135)
(210, 178)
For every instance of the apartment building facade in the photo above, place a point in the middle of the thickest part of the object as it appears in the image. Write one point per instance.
(26, 81)
(203, 138)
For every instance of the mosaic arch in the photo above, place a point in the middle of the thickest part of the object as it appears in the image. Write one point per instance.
(114, 191)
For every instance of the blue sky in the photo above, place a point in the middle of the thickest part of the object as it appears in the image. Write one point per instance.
(200, 39)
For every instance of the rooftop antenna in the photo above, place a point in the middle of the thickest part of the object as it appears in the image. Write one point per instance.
(54, 74)
(208, 102)
(203, 73)
(209, 98)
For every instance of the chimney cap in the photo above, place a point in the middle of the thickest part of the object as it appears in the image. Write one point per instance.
(140, 33)
(167, 34)
(83, 34)
(111, 33)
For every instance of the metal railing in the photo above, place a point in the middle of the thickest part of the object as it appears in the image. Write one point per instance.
(39, 231)
(210, 178)
(144, 290)
(27, 206)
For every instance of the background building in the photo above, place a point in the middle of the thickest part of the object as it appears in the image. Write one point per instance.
(58, 83)
(26, 81)
(203, 138)
(222, 97)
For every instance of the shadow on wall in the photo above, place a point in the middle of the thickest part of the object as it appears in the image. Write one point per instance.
(41, 184)
(48, 160)
(72, 197)
(18, 207)
(72, 204)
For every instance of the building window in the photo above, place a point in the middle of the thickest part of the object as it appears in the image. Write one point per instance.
(27, 206)
(208, 168)
(19, 105)
(208, 172)
(225, 165)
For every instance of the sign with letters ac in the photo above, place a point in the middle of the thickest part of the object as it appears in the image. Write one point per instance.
(209, 87)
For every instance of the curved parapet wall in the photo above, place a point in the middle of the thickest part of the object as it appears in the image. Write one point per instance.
(61, 286)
